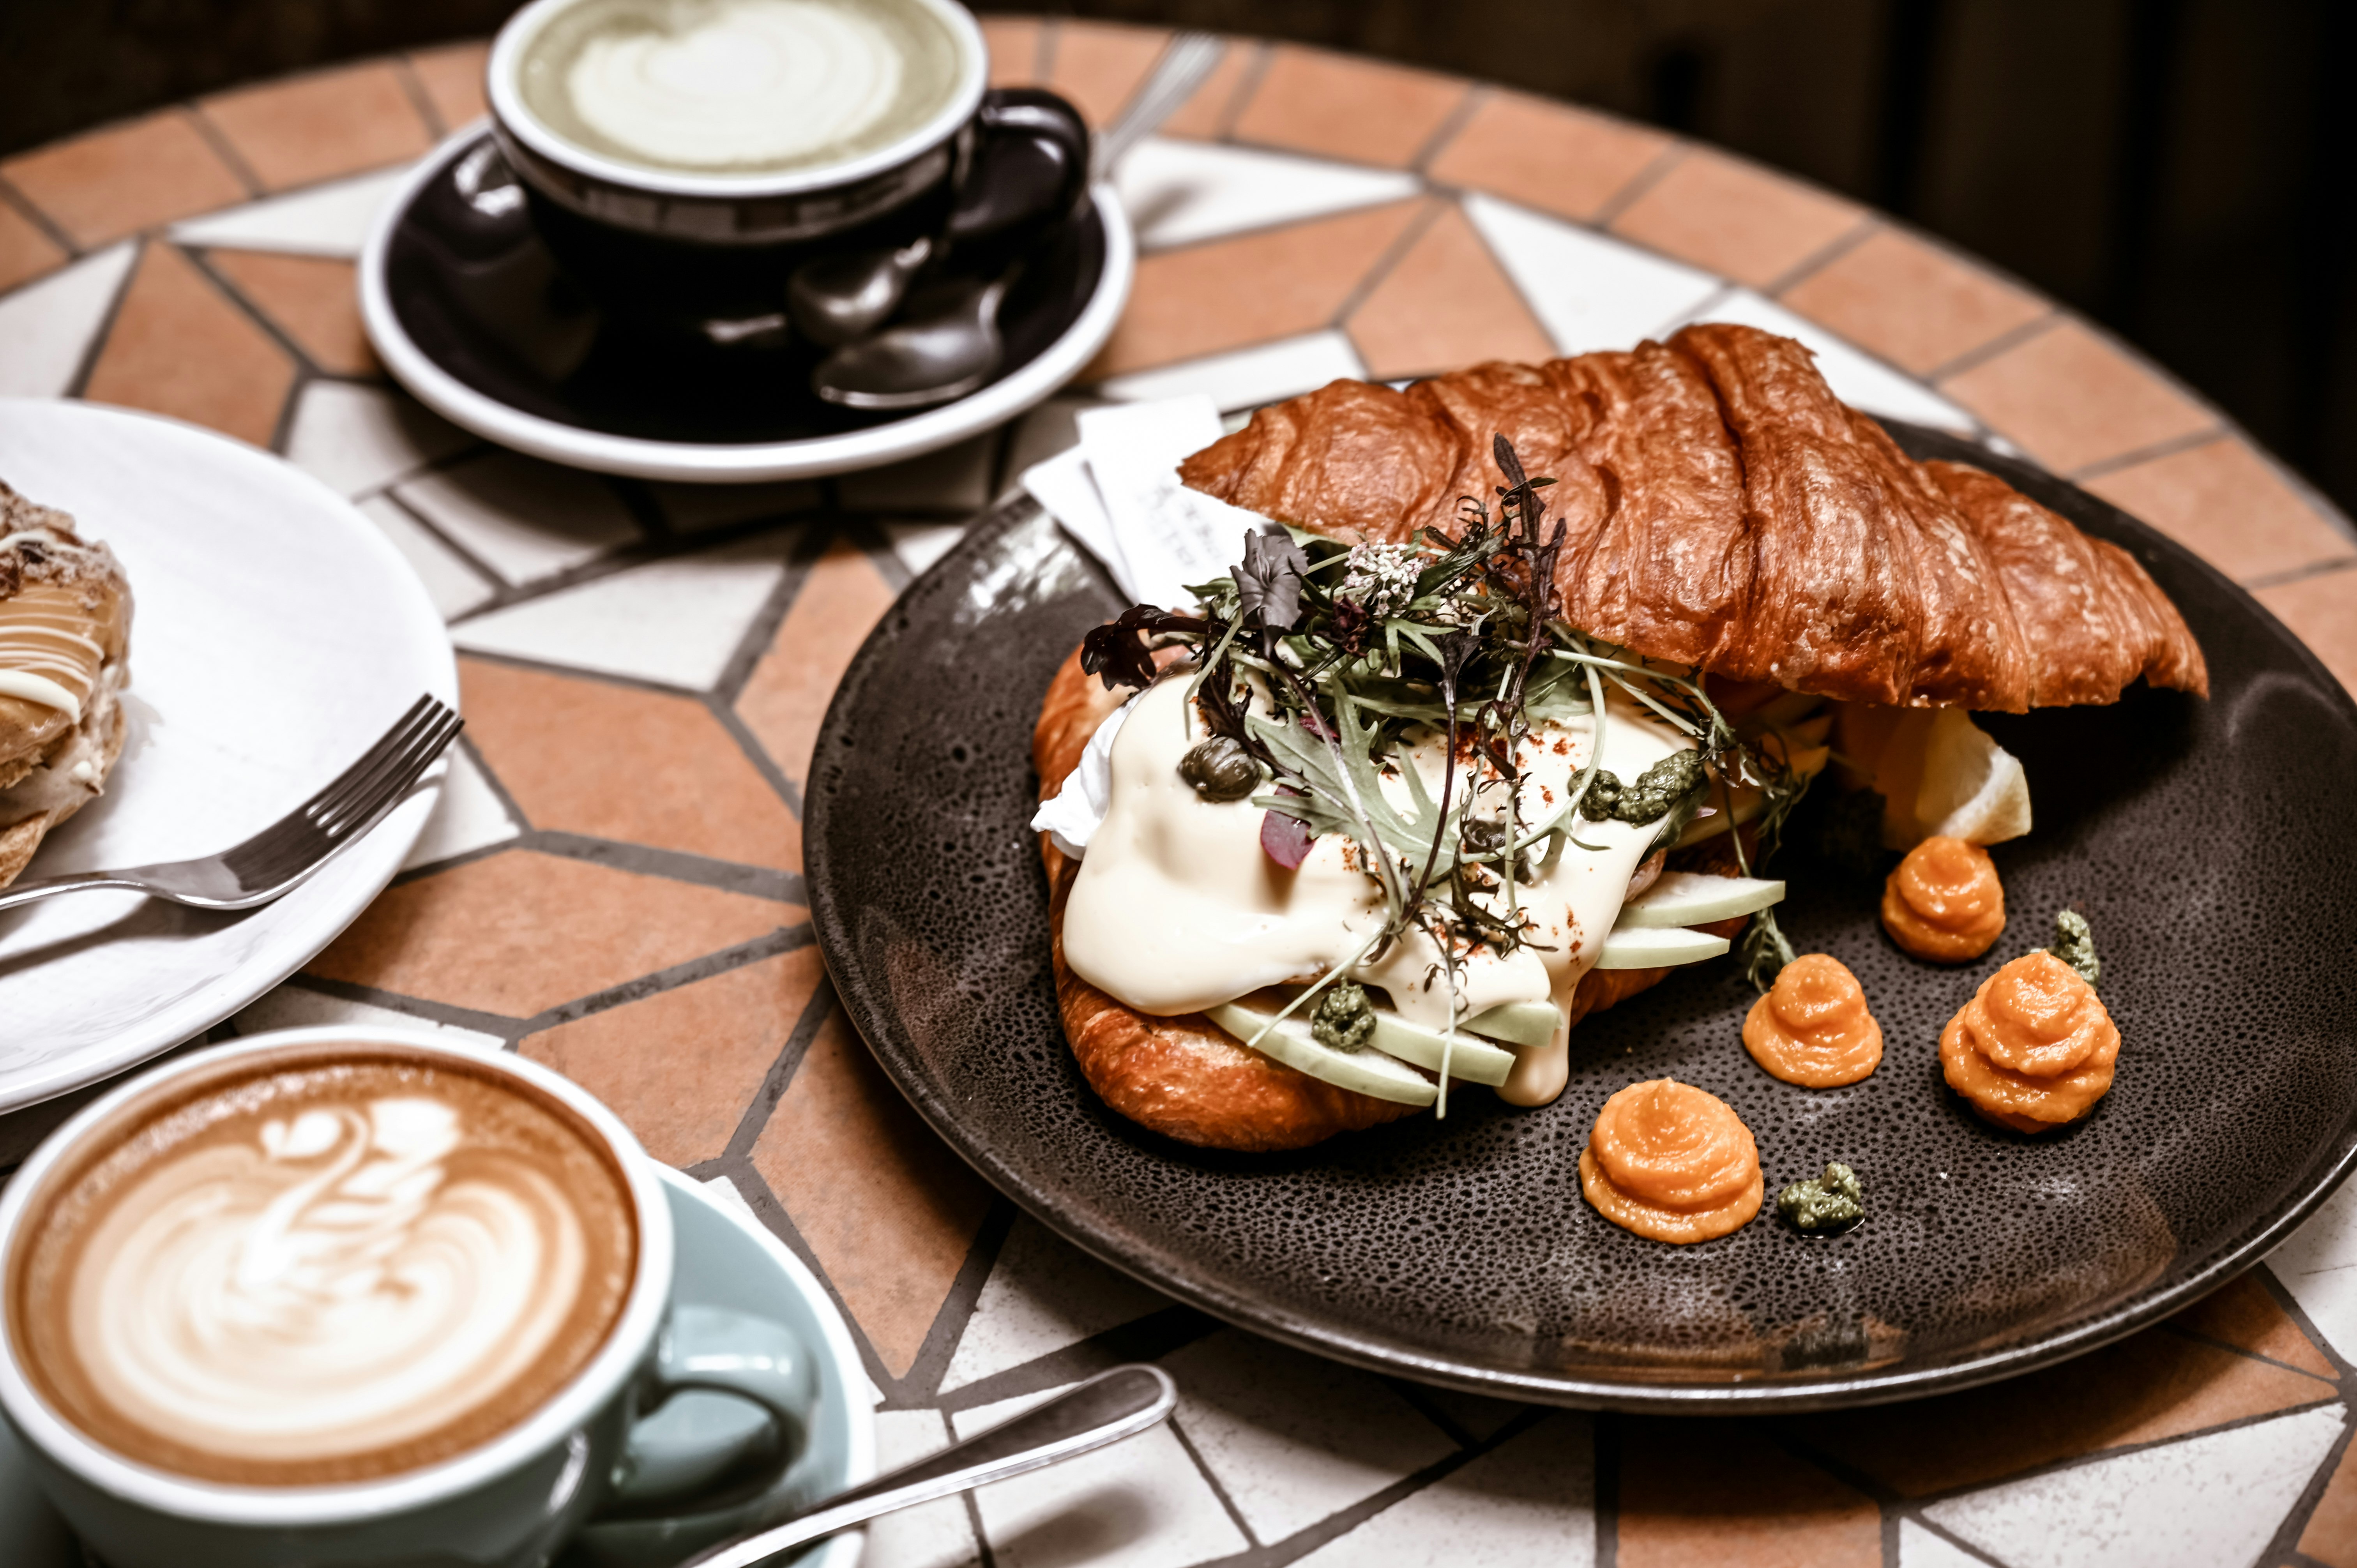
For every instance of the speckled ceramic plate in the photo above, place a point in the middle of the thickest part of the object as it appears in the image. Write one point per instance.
(2207, 843)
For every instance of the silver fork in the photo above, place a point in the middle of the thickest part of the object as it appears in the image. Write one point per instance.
(281, 855)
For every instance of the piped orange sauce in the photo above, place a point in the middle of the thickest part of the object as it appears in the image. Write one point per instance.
(1813, 1028)
(2033, 1050)
(1672, 1163)
(1945, 901)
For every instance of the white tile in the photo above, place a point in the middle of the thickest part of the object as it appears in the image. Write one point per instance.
(1138, 1504)
(46, 327)
(1293, 1437)
(920, 544)
(1530, 1502)
(1178, 192)
(325, 220)
(1476, 1413)
(2204, 1502)
(1858, 378)
(2319, 1265)
(1919, 1547)
(934, 1535)
(294, 1007)
(523, 518)
(1246, 378)
(677, 620)
(468, 817)
(360, 439)
(1054, 427)
(1587, 291)
(454, 587)
(691, 509)
(1043, 1293)
(956, 479)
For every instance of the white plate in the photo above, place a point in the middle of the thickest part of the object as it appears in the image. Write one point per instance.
(275, 635)
(811, 457)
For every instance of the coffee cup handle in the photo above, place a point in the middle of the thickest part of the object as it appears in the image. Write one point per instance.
(714, 1350)
(1030, 164)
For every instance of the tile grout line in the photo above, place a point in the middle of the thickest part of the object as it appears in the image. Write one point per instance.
(755, 1118)
(1609, 211)
(1428, 214)
(200, 258)
(2153, 452)
(802, 555)
(1043, 52)
(950, 1318)
(644, 551)
(1235, 1515)
(466, 556)
(2299, 573)
(1452, 125)
(683, 866)
(1824, 256)
(2170, 1326)
(91, 351)
(223, 150)
(1247, 88)
(2296, 1518)
(24, 206)
(775, 777)
(755, 1190)
(412, 87)
(1604, 1487)
(2004, 342)
(1149, 1338)
(2290, 1305)
(724, 961)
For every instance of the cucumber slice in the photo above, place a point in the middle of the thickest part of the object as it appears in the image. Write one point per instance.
(1523, 1023)
(1658, 947)
(1474, 1060)
(1368, 1072)
(1692, 899)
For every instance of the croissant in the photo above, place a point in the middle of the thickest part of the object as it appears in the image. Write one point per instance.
(65, 624)
(1724, 508)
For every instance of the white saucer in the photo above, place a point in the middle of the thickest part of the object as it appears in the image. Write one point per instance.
(725, 1259)
(511, 300)
(274, 636)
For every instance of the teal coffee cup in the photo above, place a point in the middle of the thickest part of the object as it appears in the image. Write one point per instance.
(337, 1297)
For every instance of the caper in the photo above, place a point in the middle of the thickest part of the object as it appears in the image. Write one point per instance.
(1220, 769)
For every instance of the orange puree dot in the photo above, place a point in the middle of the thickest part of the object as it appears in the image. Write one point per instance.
(1671, 1163)
(2034, 1047)
(1945, 901)
(1813, 1028)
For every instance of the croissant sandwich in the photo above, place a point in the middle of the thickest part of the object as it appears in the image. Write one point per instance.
(65, 624)
(1493, 734)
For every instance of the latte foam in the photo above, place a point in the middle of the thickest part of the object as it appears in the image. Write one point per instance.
(738, 86)
(325, 1272)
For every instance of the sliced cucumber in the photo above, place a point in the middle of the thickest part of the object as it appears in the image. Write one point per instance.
(1474, 1060)
(1658, 947)
(1368, 1072)
(1692, 899)
(1523, 1023)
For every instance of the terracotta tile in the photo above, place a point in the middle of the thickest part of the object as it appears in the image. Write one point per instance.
(2225, 501)
(126, 177)
(1233, 293)
(1098, 65)
(1716, 1494)
(1915, 305)
(682, 1066)
(1206, 113)
(25, 251)
(2152, 1386)
(1548, 155)
(841, 598)
(2242, 1312)
(316, 127)
(1444, 303)
(612, 762)
(180, 346)
(313, 299)
(1737, 218)
(518, 932)
(2070, 399)
(2332, 1533)
(1014, 45)
(887, 1208)
(2323, 610)
(1356, 110)
(452, 77)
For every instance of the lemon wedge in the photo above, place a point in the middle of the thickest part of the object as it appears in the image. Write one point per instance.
(1940, 775)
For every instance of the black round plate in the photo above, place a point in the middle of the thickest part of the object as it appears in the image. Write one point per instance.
(480, 296)
(2206, 842)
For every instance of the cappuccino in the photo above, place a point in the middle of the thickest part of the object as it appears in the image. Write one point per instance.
(740, 86)
(325, 1266)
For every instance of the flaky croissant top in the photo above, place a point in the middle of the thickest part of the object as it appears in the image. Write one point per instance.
(1725, 508)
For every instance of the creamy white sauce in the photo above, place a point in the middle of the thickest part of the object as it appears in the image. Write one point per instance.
(1177, 908)
(739, 83)
(46, 655)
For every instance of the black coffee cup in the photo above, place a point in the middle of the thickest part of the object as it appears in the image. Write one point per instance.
(711, 253)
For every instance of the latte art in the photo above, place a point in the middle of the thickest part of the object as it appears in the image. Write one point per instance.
(738, 86)
(314, 1285)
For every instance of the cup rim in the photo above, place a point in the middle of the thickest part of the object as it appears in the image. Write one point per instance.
(507, 109)
(216, 1502)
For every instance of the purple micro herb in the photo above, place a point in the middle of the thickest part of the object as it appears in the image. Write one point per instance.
(1286, 840)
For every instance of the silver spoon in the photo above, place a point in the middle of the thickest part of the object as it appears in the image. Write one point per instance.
(949, 346)
(1107, 1408)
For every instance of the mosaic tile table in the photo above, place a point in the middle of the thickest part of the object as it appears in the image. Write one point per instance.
(613, 883)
